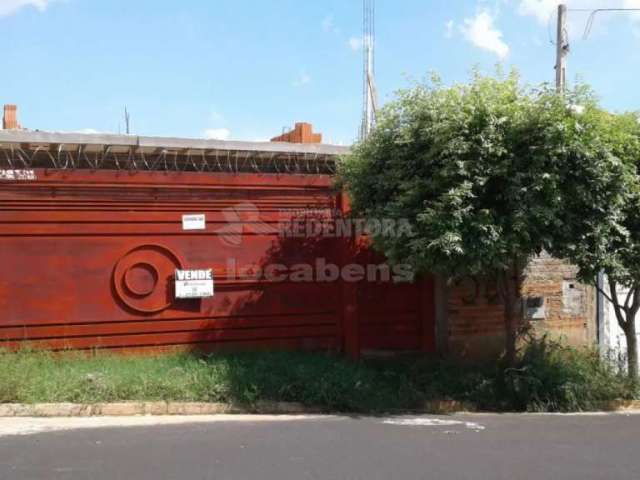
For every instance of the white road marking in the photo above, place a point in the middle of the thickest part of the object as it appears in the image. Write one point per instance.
(432, 422)
(30, 426)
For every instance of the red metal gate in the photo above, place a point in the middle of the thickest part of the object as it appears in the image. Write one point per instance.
(87, 261)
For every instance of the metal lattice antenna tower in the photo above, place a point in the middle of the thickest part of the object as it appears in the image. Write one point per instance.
(127, 121)
(370, 95)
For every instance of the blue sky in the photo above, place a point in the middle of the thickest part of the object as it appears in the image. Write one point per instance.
(244, 69)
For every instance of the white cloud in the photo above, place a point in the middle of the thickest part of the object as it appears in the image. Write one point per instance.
(216, 131)
(542, 10)
(449, 26)
(9, 7)
(355, 43)
(215, 117)
(217, 134)
(329, 25)
(480, 31)
(303, 79)
(88, 131)
(635, 16)
(545, 10)
(633, 4)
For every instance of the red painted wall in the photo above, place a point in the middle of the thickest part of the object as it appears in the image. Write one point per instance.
(87, 260)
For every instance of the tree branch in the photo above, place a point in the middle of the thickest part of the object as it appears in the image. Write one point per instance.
(628, 299)
(616, 304)
(635, 306)
(601, 290)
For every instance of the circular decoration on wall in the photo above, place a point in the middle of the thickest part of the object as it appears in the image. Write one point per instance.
(142, 278)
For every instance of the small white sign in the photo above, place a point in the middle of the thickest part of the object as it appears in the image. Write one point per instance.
(194, 222)
(19, 175)
(194, 283)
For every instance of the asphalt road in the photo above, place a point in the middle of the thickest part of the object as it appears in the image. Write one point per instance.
(265, 448)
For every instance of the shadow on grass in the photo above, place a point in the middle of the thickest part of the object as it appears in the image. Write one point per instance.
(549, 377)
(319, 380)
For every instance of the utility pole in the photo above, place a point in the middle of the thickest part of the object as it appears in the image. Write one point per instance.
(562, 48)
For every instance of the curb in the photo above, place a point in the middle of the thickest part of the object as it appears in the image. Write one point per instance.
(129, 409)
(448, 407)
(619, 405)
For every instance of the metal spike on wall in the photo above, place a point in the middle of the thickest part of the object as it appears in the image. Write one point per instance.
(370, 95)
(68, 157)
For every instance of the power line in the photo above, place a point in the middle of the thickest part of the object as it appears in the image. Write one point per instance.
(593, 14)
(563, 43)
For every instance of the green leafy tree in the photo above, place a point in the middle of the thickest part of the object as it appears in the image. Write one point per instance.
(478, 172)
(601, 231)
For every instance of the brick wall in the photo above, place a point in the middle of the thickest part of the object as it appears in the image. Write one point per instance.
(557, 305)
(10, 118)
(474, 323)
(569, 306)
(302, 133)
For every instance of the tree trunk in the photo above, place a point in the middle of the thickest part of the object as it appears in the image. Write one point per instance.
(510, 283)
(511, 335)
(632, 349)
(626, 314)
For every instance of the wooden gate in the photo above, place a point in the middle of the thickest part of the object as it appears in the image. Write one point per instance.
(87, 260)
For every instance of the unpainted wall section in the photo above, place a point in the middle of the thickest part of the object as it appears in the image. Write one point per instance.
(556, 304)
(569, 306)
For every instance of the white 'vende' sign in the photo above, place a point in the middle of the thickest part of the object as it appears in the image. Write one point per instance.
(194, 222)
(194, 283)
